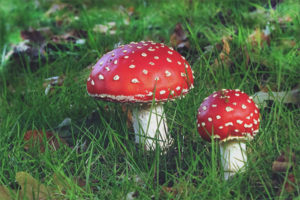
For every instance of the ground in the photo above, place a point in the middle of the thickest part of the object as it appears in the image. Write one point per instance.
(47, 50)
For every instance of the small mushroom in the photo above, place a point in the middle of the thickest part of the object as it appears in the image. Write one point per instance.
(231, 117)
(144, 73)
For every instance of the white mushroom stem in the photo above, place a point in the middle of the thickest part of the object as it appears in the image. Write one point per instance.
(150, 127)
(292, 96)
(233, 157)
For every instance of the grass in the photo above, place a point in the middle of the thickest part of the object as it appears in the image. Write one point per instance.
(109, 161)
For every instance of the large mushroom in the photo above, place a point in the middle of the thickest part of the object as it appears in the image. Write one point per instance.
(231, 117)
(144, 74)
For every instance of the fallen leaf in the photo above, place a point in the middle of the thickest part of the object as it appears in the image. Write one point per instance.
(55, 7)
(284, 162)
(5, 193)
(223, 56)
(108, 28)
(258, 38)
(290, 183)
(51, 82)
(129, 116)
(33, 138)
(179, 38)
(31, 188)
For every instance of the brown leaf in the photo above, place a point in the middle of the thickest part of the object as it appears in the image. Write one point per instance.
(31, 188)
(173, 191)
(70, 36)
(5, 194)
(129, 115)
(258, 38)
(37, 36)
(33, 138)
(290, 184)
(223, 56)
(284, 162)
(179, 37)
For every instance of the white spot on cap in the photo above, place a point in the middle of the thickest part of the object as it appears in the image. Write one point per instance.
(215, 95)
(179, 63)
(101, 77)
(249, 101)
(237, 90)
(107, 69)
(204, 107)
(172, 92)
(186, 66)
(251, 114)
(101, 63)
(92, 82)
(203, 123)
(167, 73)
(183, 74)
(145, 71)
(124, 51)
(162, 92)
(178, 88)
(183, 57)
(239, 121)
(214, 105)
(126, 57)
(89, 78)
(139, 47)
(221, 127)
(248, 117)
(237, 94)
(116, 77)
(258, 120)
(248, 126)
(144, 54)
(116, 62)
(255, 121)
(149, 94)
(209, 119)
(236, 130)
(151, 63)
(198, 125)
(234, 103)
(229, 124)
(244, 106)
(150, 49)
(131, 66)
(218, 117)
(170, 52)
(169, 60)
(134, 80)
(255, 111)
(156, 57)
(228, 109)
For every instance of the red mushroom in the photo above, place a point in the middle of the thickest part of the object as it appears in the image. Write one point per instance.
(142, 73)
(232, 117)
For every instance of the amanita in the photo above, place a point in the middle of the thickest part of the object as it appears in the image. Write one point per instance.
(232, 117)
(142, 73)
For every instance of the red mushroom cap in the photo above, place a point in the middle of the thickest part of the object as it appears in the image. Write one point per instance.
(137, 71)
(228, 115)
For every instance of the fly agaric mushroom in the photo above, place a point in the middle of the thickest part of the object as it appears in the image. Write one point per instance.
(232, 117)
(142, 73)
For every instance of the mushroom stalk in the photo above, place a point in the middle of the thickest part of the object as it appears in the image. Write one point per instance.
(233, 157)
(150, 127)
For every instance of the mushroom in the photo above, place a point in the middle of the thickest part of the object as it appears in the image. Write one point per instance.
(144, 74)
(231, 117)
